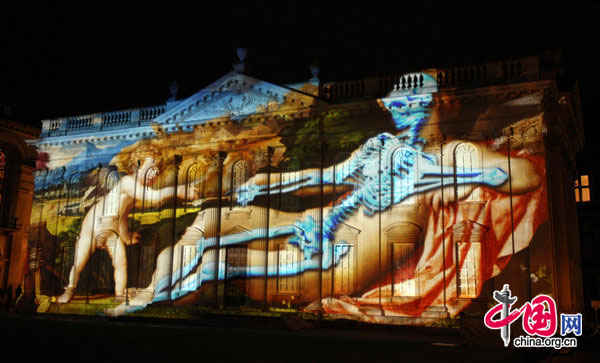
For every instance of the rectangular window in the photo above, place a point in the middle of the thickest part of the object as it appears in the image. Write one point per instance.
(146, 266)
(188, 256)
(403, 271)
(287, 269)
(582, 189)
(236, 258)
(343, 283)
(469, 255)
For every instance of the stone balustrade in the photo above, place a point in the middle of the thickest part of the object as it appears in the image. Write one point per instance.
(149, 113)
(490, 73)
(116, 118)
(80, 122)
(101, 121)
(347, 89)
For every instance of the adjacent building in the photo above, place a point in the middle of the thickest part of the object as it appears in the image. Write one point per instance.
(17, 162)
(586, 197)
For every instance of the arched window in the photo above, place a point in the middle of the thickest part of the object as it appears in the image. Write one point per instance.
(111, 200)
(466, 161)
(75, 186)
(150, 204)
(239, 176)
(403, 176)
(73, 192)
(194, 179)
(289, 201)
(2, 172)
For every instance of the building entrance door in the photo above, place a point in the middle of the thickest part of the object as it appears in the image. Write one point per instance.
(236, 273)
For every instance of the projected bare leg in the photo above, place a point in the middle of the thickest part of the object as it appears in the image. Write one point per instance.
(83, 250)
(144, 297)
(119, 261)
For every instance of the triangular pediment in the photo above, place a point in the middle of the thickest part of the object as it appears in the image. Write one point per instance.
(237, 234)
(347, 229)
(403, 228)
(468, 227)
(235, 96)
(237, 230)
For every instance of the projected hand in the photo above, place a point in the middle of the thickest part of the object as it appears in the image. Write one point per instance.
(246, 193)
(304, 230)
(249, 191)
(432, 177)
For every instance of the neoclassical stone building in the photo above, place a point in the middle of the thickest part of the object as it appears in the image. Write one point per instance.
(398, 200)
(17, 163)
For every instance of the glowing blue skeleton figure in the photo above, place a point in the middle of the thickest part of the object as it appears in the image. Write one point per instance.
(374, 191)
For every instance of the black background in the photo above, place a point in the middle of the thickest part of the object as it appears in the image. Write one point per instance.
(58, 60)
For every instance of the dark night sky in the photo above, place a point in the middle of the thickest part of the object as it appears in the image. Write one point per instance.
(58, 62)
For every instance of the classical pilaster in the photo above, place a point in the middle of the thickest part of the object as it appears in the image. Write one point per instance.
(173, 172)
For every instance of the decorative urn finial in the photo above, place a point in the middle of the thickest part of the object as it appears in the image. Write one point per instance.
(240, 66)
(174, 89)
(315, 68)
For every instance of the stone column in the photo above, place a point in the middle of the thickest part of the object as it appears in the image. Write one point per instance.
(174, 172)
(213, 230)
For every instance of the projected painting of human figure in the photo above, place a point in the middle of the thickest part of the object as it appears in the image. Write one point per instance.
(405, 217)
(113, 210)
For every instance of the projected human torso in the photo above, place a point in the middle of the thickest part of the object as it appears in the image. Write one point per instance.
(106, 225)
(387, 170)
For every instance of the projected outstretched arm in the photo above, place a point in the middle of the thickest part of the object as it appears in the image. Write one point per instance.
(380, 180)
(361, 169)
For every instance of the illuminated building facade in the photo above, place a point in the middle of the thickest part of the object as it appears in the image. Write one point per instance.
(396, 200)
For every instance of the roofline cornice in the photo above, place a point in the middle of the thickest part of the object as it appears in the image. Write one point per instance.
(441, 99)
